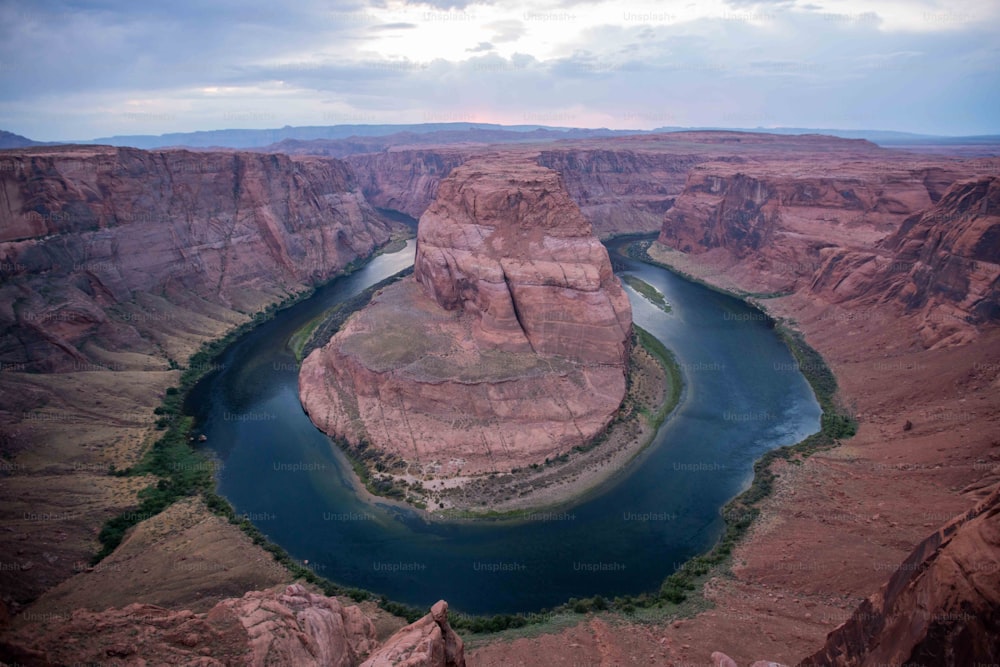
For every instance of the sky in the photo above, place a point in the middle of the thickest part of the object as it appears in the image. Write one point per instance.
(81, 70)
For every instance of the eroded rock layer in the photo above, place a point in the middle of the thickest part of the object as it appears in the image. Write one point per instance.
(942, 267)
(104, 250)
(508, 346)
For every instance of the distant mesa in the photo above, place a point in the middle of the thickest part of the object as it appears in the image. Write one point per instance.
(509, 344)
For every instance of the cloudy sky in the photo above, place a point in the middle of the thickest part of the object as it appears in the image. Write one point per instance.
(79, 70)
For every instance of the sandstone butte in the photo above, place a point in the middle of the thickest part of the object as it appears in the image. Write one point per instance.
(507, 346)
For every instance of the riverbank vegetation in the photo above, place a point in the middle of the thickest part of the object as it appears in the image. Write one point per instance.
(647, 291)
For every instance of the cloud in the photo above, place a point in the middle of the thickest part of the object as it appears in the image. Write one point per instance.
(86, 69)
(394, 26)
(506, 31)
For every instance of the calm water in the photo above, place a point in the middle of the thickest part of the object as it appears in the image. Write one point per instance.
(742, 398)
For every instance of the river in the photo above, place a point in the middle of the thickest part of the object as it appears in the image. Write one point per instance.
(743, 397)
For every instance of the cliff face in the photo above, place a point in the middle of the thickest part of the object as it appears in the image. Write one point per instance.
(285, 626)
(622, 185)
(775, 223)
(942, 267)
(406, 180)
(90, 238)
(508, 347)
(506, 245)
(941, 607)
(621, 191)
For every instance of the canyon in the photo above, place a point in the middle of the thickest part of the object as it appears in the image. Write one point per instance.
(886, 261)
(507, 347)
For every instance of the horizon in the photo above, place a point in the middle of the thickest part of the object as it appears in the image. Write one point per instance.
(113, 69)
(404, 127)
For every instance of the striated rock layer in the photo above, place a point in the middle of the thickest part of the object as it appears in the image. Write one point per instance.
(91, 238)
(851, 234)
(622, 185)
(507, 347)
(283, 626)
(942, 267)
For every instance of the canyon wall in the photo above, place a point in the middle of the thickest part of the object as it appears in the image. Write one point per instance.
(115, 266)
(509, 345)
(621, 191)
(780, 216)
(941, 268)
(622, 186)
(406, 179)
(104, 250)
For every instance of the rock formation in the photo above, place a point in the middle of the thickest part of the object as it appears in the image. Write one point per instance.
(941, 267)
(941, 606)
(624, 191)
(92, 237)
(508, 347)
(778, 217)
(428, 642)
(282, 626)
(622, 186)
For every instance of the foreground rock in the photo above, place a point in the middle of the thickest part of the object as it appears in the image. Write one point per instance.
(428, 642)
(940, 607)
(509, 345)
(282, 626)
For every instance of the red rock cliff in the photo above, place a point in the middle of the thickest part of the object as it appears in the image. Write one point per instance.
(102, 249)
(941, 606)
(942, 267)
(778, 220)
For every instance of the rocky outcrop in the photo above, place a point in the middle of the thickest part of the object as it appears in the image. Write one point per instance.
(282, 626)
(941, 606)
(509, 345)
(623, 185)
(941, 267)
(102, 250)
(429, 642)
